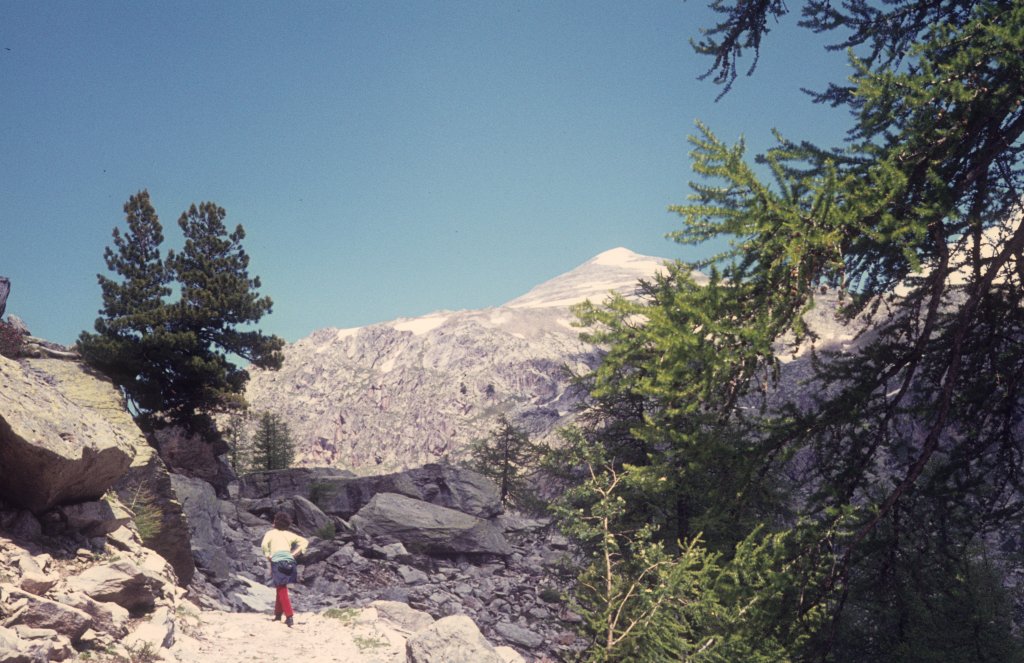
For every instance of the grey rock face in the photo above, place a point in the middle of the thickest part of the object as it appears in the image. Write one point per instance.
(202, 510)
(5, 290)
(424, 527)
(412, 391)
(147, 486)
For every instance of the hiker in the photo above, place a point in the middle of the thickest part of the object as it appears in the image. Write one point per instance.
(280, 547)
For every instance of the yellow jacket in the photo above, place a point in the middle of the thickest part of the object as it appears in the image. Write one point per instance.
(282, 541)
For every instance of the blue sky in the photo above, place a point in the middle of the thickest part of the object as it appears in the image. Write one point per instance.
(386, 159)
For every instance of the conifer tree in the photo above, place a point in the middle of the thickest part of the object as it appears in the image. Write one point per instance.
(134, 310)
(905, 453)
(272, 444)
(508, 457)
(172, 359)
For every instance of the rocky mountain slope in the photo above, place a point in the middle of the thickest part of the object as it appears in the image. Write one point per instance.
(107, 555)
(414, 390)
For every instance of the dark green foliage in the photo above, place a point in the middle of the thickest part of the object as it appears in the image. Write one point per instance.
(240, 452)
(272, 446)
(509, 458)
(893, 477)
(641, 602)
(172, 358)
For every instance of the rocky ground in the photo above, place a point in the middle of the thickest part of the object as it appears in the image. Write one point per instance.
(115, 547)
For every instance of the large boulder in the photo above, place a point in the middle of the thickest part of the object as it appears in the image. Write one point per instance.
(428, 528)
(194, 456)
(454, 639)
(202, 511)
(339, 495)
(65, 435)
(123, 582)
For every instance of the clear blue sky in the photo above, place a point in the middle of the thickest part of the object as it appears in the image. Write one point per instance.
(386, 159)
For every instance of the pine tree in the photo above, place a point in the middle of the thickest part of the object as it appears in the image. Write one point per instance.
(134, 310)
(272, 444)
(172, 359)
(217, 296)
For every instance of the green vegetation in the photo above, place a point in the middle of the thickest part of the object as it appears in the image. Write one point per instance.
(345, 615)
(368, 642)
(727, 521)
(272, 446)
(509, 458)
(327, 532)
(171, 358)
(240, 451)
(146, 512)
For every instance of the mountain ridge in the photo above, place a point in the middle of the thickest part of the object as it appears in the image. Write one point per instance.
(413, 390)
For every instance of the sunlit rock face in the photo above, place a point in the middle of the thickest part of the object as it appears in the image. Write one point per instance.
(415, 390)
(65, 436)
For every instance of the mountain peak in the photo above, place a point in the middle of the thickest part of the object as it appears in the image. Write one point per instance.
(618, 256)
(617, 270)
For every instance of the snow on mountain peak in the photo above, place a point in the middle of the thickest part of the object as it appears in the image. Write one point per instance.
(617, 270)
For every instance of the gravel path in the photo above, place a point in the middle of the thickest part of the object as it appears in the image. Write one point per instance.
(351, 636)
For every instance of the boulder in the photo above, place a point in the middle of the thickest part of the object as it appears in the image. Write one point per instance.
(276, 484)
(442, 485)
(95, 518)
(156, 632)
(454, 639)
(202, 511)
(146, 489)
(428, 528)
(34, 578)
(107, 617)
(122, 582)
(405, 619)
(193, 456)
(38, 612)
(518, 635)
(5, 290)
(308, 517)
(65, 434)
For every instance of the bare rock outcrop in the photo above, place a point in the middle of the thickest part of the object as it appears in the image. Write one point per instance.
(342, 495)
(58, 416)
(411, 391)
(424, 527)
(5, 290)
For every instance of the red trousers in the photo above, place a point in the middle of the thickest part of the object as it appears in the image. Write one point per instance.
(283, 604)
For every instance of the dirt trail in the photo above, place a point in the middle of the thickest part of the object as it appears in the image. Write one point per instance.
(351, 636)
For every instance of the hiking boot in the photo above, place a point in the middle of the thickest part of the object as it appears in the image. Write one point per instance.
(277, 618)
(289, 622)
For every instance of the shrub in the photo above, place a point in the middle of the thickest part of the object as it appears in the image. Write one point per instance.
(148, 516)
(327, 532)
